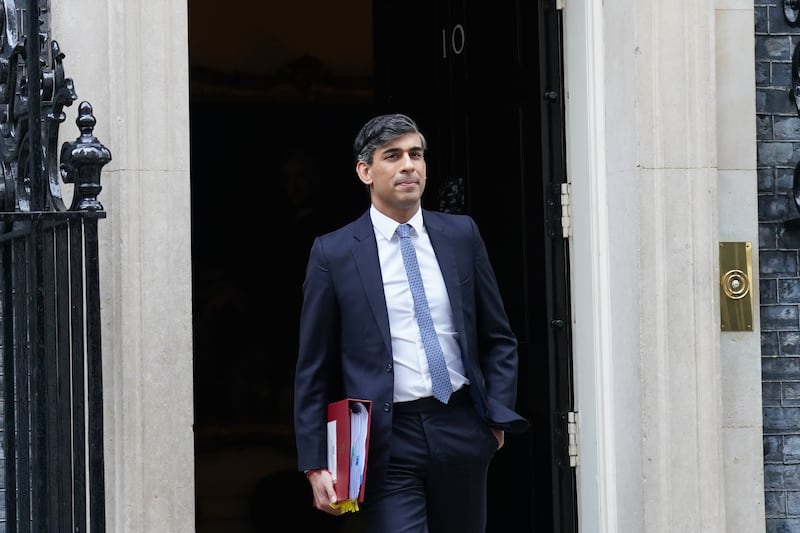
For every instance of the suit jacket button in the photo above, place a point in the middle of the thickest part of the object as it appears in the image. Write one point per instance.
(387, 407)
(389, 367)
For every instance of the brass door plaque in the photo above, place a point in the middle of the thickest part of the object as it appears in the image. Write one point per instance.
(736, 288)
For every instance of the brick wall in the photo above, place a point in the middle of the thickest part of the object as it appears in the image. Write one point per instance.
(778, 130)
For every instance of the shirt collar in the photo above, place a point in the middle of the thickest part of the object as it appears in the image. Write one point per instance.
(387, 226)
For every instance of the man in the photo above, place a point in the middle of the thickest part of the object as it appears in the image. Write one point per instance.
(360, 338)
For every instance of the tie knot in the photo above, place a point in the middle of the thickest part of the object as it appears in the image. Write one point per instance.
(404, 231)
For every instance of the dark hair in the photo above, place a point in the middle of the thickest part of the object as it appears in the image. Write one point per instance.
(381, 130)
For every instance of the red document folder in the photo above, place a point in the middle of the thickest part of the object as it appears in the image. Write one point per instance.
(341, 447)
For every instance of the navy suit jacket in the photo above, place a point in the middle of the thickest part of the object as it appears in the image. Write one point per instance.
(345, 345)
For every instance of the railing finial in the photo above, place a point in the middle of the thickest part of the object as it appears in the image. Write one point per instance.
(82, 162)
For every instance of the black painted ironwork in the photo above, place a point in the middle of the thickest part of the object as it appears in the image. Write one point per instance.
(791, 10)
(52, 418)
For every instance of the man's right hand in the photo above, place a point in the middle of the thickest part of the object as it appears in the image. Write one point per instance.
(322, 486)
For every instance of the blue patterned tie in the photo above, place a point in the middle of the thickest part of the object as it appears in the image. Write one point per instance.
(439, 375)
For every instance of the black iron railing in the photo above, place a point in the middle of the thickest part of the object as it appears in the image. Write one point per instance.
(52, 417)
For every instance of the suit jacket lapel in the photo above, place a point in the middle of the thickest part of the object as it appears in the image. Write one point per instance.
(443, 246)
(365, 255)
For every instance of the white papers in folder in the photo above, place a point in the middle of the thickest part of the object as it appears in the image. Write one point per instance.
(332, 449)
(359, 417)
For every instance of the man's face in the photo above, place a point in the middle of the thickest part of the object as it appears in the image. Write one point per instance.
(396, 176)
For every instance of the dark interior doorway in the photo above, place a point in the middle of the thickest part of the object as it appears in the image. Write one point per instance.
(277, 96)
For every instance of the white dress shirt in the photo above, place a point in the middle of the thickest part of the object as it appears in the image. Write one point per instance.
(411, 375)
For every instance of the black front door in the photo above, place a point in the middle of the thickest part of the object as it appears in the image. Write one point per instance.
(484, 83)
(483, 80)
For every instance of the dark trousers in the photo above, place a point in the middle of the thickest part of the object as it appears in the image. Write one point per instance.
(437, 474)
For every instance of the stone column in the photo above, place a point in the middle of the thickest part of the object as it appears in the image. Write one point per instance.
(675, 106)
(665, 444)
(130, 60)
(743, 429)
